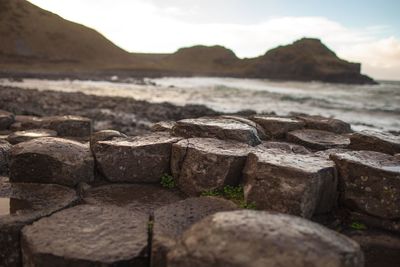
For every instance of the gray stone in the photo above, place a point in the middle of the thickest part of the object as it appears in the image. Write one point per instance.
(255, 239)
(6, 119)
(136, 159)
(104, 135)
(172, 220)
(225, 129)
(287, 147)
(23, 136)
(51, 160)
(22, 204)
(327, 153)
(87, 235)
(163, 126)
(260, 131)
(326, 124)
(277, 127)
(5, 149)
(375, 141)
(318, 140)
(202, 164)
(71, 126)
(136, 197)
(370, 182)
(290, 183)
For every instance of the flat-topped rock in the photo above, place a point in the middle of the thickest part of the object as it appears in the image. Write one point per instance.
(255, 238)
(23, 136)
(6, 119)
(172, 220)
(5, 149)
(370, 182)
(225, 129)
(135, 159)
(163, 126)
(87, 235)
(202, 164)
(326, 124)
(375, 141)
(290, 183)
(21, 204)
(285, 146)
(71, 126)
(277, 127)
(51, 160)
(327, 153)
(318, 140)
(26, 122)
(104, 135)
(136, 197)
(260, 131)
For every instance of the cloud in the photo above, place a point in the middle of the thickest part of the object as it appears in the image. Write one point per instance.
(145, 26)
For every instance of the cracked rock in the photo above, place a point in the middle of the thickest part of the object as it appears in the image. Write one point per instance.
(277, 127)
(375, 141)
(318, 140)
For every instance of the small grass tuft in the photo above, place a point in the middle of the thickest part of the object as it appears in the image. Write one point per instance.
(167, 181)
(232, 193)
(358, 226)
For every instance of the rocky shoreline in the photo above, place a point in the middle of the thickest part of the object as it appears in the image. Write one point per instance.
(208, 191)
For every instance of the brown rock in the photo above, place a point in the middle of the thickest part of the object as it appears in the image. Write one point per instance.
(23, 136)
(136, 159)
(51, 160)
(71, 126)
(260, 131)
(87, 235)
(163, 126)
(287, 147)
(327, 153)
(370, 182)
(26, 122)
(277, 127)
(172, 220)
(375, 141)
(375, 222)
(104, 135)
(6, 119)
(225, 129)
(255, 238)
(318, 140)
(290, 183)
(202, 164)
(5, 149)
(326, 124)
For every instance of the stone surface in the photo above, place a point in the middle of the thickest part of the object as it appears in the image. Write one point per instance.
(87, 235)
(225, 129)
(287, 147)
(6, 119)
(72, 126)
(202, 164)
(23, 136)
(26, 122)
(21, 204)
(104, 135)
(375, 141)
(172, 220)
(5, 149)
(318, 140)
(326, 124)
(277, 127)
(255, 238)
(290, 183)
(137, 197)
(375, 222)
(327, 153)
(163, 126)
(51, 160)
(136, 159)
(260, 131)
(370, 182)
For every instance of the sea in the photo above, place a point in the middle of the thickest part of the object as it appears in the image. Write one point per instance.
(364, 106)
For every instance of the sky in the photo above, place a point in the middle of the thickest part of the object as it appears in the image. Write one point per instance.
(366, 31)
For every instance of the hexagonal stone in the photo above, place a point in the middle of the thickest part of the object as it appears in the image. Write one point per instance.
(6, 119)
(71, 126)
(202, 164)
(327, 153)
(104, 135)
(172, 220)
(87, 235)
(326, 124)
(5, 149)
(375, 141)
(277, 127)
(255, 238)
(136, 159)
(163, 126)
(21, 204)
(290, 183)
(287, 147)
(136, 197)
(225, 129)
(260, 131)
(51, 160)
(318, 140)
(370, 182)
(23, 136)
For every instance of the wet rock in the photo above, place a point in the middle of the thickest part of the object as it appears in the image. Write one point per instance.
(136, 159)
(71, 126)
(326, 124)
(26, 122)
(277, 127)
(87, 235)
(318, 140)
(23, 136)
(136, 197)
(375, 141)
(6, 119)
(172, 220)
(260, 131)
(290, 183)
(5, 149)
(225, 129)
(104, 135)
(240, 239)
(163, 126)
(370, 182)
(287, 147)
(51, 160)
(21, 204)
(202, 164)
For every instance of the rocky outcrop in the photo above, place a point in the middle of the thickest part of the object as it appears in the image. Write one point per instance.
(325, 124)
(318, 140)
(5, 149)
(277, 127)
(23, 136)
(105, 135)
(375, 141)
(285, 146)
(6, 119)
